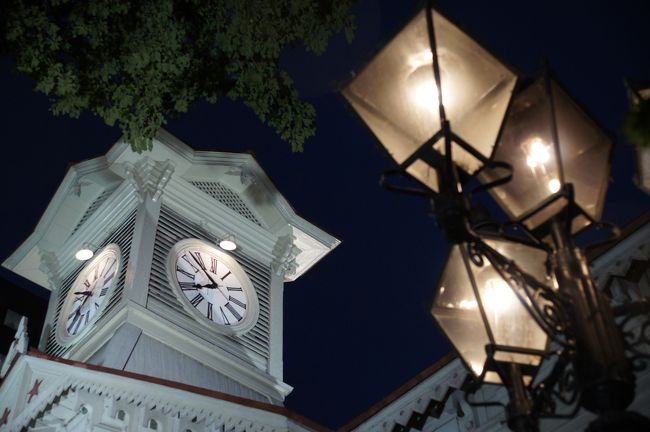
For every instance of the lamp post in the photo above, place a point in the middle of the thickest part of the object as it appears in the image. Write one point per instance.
(560, 159)
(436, 101)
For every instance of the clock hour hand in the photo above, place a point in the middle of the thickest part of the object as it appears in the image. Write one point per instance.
(209, 286)
(86, 293)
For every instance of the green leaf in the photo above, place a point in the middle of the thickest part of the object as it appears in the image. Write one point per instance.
(636, 125)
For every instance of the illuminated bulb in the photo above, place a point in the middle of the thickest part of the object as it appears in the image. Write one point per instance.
(425, 94)
(467, 304)
(554, 185)
(498, 295)
(84, 254)
(422, 89)
(477, 368)
(228, 244)
(538, 153)
(420, 59)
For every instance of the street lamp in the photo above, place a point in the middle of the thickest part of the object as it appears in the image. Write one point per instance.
(558, 158)
(560, 166)
(551, 142)
(397, 96)
(477, 303)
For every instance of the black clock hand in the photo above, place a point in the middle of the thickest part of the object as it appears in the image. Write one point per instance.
(214, 284)
(209, 286)
(86, 293)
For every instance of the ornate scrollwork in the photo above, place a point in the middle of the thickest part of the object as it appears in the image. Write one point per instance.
(558, 394)
(635, 326)
(567, 389)
(541, 301)
(475, 253)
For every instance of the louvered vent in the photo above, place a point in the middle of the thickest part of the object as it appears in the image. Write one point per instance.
(171, 229)
(123, 236)
(92, 207)
(228, 197)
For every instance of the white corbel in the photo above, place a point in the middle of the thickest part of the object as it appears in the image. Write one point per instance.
(245, 174)
(166, 170)
(149, 177)
(78, 185)
(51, 267)
(284, 256)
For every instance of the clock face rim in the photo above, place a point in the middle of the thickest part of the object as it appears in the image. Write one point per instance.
(62, 336)
(252, 305)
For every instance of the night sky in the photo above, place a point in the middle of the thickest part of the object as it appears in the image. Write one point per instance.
(357, 324)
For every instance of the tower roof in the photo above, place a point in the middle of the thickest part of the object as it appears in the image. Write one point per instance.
(225, 193)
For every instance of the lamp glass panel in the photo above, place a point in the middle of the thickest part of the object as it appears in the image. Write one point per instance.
(455, 308)
(529, 259)
(510, 322)
(541, 167)
(585, 150)
(527, 144)
(645, 93)
(396, 96)
(424, 173)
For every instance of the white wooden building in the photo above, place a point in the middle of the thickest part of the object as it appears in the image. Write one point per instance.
(433, 400)
(140, 337)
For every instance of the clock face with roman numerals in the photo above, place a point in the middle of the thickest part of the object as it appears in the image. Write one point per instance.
(211, 284)
(89, 293)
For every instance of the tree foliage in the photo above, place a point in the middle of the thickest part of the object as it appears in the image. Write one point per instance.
(636, 124)
(138, 62)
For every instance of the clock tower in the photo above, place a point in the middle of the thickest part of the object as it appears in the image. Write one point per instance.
(191, 251)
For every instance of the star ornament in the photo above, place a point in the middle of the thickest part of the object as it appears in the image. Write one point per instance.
(34, 391)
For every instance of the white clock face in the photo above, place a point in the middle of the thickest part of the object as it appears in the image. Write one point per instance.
(210, 282)
(89, 292)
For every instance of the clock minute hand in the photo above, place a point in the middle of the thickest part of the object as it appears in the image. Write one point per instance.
(86, 293)
(213, 283)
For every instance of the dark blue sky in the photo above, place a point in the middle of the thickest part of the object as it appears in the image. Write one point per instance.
(357, 325)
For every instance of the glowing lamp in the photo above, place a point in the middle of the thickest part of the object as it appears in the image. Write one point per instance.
(481, 312)
(228, 243)
(396, 96)
(84, 254)
(551, 142)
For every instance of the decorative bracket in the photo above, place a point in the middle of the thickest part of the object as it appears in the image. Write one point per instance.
(149, 177)
(284, 255)
(246, 176)
(51, 267)
(78, 185)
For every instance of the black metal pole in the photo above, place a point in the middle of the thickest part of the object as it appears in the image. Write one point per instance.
(521, 417)
(434, 56)
(603, 372)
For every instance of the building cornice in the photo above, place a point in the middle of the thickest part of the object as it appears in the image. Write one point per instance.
(59, 375)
